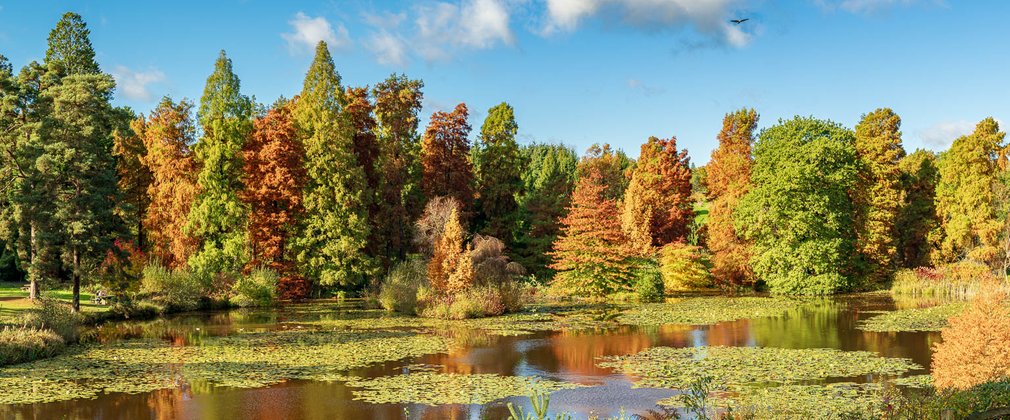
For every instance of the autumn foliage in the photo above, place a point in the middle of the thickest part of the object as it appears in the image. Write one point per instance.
(728, 180)
(445, 157)
(451, 269)
(657, 203)
(976, 345)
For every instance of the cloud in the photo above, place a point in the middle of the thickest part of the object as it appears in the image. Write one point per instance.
(868, 6)
(389, 49)
(308, 31)
(942, 134)
(136, 84)
(647, 90)
(708, 18)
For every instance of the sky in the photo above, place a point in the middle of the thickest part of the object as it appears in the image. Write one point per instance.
(577, 72)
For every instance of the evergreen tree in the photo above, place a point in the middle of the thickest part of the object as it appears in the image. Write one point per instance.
(917, 216)
(445, 157)
(728, 176)
(613, 166)
(965, 198)
(330, 246)
(70, 50)
(496, 165)
(134, 176)
(548, 179)
(359, 110)
(168, 135)
(397, 102)
(877, 194)
(657, 204)
(798, 211)
(591, 254)
(218, 218)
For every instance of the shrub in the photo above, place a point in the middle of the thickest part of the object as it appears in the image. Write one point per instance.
(648, 283)
(399, 291)
(474, 302)
(684, 267)
(429, 227)
(976, 345)
(53, 315)
(177, 290)
(27, 343)
(259, 288)
(958, 280)
(294, 287)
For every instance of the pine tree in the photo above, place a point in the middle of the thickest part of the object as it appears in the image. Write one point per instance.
(877, 194)
(397, 102)
(445, 157)
(548, 180)
(218, 217)
(496, 165)
(965, 196)
(590, 255)
(70, 51)
(168, 134)
(728, 179)
(366, 151)
(657, 204)
(330, 246)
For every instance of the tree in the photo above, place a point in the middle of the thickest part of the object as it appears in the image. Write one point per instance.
(798, 211)
(590, 255)
(877, 194)
(917, 217)
(613, 166)
(168, 135)
(134, 176)
(366, 151)
(976, 345)
(70, 48)
(728, 176)
(330, 246)
(218, 217)
(548, 180)
(451, 269)
(497, 164)
(657, 203)
(445, 160)
(397, 102)
(965, 196)
(274, 180)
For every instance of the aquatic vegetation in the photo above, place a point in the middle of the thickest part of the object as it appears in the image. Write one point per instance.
(707, 311)
(244, 361)
(933, 318)
(844, 400)
(676, 368)
(915, 381)
(448, 388)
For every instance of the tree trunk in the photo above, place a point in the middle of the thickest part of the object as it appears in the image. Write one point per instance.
(33, 271)
(77, 281)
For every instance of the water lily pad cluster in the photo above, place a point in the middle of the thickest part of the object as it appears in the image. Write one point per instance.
(932, 318)
(449, 388)
(549, 319)
(842, 400)
(244, 360)
(707, 311)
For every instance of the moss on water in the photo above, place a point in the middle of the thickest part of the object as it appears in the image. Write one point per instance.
(448, 388)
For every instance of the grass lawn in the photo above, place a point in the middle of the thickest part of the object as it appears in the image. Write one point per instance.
(14, 301)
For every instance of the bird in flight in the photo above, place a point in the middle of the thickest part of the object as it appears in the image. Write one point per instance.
(739, 21)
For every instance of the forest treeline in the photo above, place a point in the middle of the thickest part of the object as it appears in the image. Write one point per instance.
(329, 189)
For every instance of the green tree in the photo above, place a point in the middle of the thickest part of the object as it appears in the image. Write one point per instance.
(218, 217)
(70, 47)
(878, 195)
(965, 197)
(497, 164)
(798, 212)
(548, 179)
(330, 246)
(917, 218)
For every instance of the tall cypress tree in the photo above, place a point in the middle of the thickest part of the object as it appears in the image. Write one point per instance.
(496, 165)
(445, 157)
(218, 216)
(728, 180)
(333, 235)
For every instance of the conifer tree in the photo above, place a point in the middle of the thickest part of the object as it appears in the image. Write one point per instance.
(445, 157)
(590, 255)
(965, 200)
(359, 110)
(613, 166)
(134, 176)
(917, 216)
(657, 203)
(728, 179)
(496, 165)
(330, 246)
(548, 180)
(877, 194)
(70, 49)
(168, 134)
(218, 217)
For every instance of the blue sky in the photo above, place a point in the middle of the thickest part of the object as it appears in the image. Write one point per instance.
(576, 71)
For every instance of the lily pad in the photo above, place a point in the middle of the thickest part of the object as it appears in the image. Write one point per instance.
(933, 318)
(449, 388)
(708, 311)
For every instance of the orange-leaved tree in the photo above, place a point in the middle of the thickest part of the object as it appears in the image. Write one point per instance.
(450, 269)
(976, 345)
(658, 199)
(728, 180)
(445, 157)
(591, 254)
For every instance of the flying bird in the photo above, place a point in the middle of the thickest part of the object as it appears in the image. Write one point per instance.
(739, 21)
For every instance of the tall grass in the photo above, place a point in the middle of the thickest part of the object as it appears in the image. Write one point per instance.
(19, 344)
(961, 280)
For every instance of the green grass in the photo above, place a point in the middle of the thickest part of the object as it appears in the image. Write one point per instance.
(14, 301)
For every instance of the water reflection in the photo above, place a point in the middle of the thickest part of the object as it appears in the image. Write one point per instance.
(561, 355)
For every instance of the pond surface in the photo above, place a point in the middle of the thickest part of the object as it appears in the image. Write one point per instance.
(568, 355)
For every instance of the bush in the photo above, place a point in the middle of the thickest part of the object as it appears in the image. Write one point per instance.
(648, 283)
(176, 290)
(474, 302)
(976, 345)
(27, 343)
(957, 280)
(53, 315)
(399, 291)
(684, 267)
(259, 288)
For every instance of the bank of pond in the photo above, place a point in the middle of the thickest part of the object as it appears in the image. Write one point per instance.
(836, 357)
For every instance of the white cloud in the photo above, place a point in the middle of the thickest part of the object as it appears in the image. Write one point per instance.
(646, 89)
(869, 6)
(709, 18)
(308, 31)
(942, 134)
(389, 49)
(136, 84)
